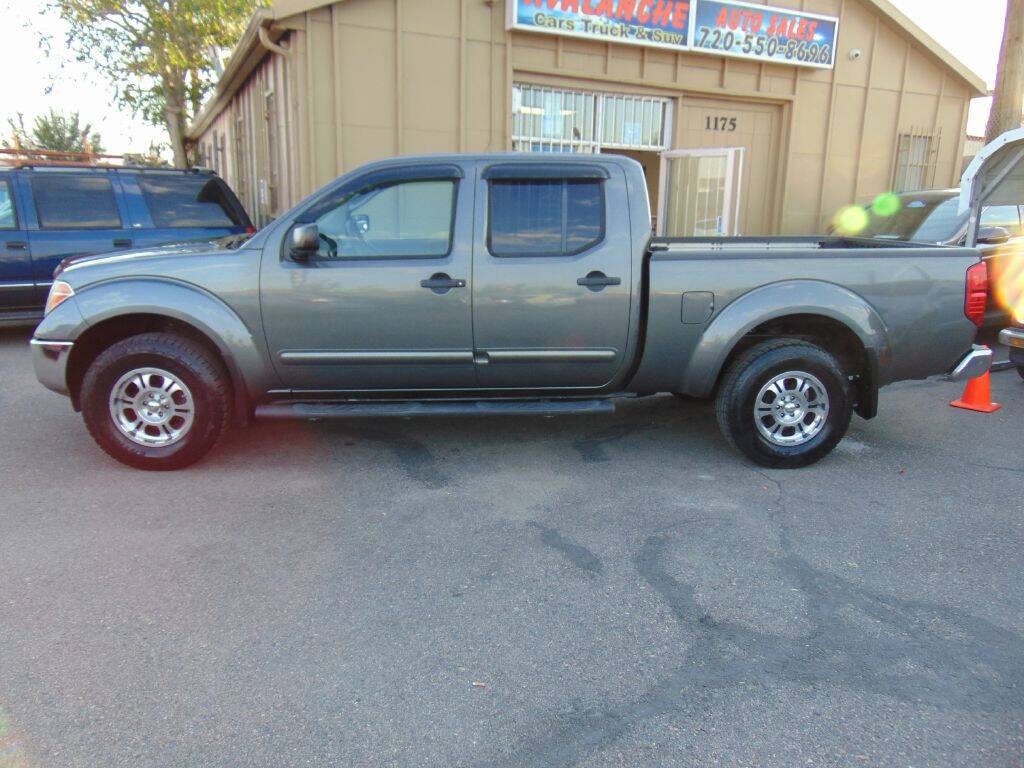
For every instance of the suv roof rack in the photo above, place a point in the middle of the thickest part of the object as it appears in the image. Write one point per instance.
(45, 158)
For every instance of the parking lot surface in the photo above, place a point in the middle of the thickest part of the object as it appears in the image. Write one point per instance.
(598, 591)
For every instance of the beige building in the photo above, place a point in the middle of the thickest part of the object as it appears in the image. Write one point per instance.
(731, 144)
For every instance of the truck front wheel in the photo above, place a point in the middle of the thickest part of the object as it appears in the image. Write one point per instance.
(784, 403)
(156, 401)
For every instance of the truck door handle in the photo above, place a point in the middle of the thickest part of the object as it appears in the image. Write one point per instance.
(441, 283)
(16, 245)
(597, 281)
(122, 242)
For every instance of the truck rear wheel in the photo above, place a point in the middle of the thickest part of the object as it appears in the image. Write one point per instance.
(784, 403)
(156, 401)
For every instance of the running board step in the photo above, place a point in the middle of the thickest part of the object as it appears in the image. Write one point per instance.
(432, 408)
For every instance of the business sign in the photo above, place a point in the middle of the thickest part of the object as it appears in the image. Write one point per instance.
(743, 30)
(657, 23)
(765, 34)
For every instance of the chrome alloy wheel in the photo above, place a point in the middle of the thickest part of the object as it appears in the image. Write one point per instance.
(791, 409)
(152, 407)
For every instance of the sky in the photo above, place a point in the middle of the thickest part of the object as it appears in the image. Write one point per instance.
(36, 80)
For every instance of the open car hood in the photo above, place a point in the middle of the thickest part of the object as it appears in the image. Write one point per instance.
(995, 176)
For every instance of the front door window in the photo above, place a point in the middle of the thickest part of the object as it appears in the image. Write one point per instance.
(410, 220)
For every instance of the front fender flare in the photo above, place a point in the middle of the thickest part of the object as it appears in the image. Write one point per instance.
(240, 347)
(774, 301)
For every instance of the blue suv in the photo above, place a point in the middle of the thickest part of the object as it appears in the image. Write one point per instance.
(49, 213)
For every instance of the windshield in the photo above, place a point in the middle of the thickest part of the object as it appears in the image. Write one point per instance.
(925, 220)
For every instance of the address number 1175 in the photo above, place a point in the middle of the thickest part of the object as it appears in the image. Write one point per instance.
(727, 124)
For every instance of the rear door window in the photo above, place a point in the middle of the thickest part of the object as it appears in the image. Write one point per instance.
(545, 217)
(186, 201)
(75, 201)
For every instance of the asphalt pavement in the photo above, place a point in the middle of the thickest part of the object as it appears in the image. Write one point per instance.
(578, 591)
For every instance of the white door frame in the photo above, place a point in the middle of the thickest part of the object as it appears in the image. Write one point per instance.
(734, 172)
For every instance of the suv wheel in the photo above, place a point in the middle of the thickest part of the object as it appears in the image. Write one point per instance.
(784, 403)
(156, 401)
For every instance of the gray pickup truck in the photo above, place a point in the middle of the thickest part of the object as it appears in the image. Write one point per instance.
(499, 284)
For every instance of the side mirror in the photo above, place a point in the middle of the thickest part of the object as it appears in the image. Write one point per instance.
(304, 241)
(993, 235)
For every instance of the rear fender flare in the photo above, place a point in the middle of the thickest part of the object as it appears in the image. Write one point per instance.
(778, 300)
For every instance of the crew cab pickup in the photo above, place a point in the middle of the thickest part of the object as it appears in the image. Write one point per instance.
(499, 284)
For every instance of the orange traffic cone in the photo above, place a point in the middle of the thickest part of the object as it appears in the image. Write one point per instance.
(978, 396)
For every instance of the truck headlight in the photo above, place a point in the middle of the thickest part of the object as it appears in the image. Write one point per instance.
(59, 293)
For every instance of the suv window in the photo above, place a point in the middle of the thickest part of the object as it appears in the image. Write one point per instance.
(1002, 216)
(8, 220)
(558, 217)
(75, 201)
(411, 219)
(186, 201)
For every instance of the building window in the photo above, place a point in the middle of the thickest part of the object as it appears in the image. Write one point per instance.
(240, 157)
(916, 156)
(558, 120)
(270, 126)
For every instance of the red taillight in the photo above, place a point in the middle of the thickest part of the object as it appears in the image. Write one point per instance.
(976, 297)
(250, 230)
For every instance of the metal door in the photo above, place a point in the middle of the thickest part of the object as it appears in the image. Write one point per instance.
(555, 319)
(77, 213)
(701, 192)
(392, 313)
(17, 284)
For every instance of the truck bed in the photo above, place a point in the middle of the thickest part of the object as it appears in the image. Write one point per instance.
(904, 301)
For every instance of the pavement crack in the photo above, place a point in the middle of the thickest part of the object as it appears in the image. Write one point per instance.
(926, 654)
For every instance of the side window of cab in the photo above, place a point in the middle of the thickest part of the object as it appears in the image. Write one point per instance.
(545, 217)
(412, 219)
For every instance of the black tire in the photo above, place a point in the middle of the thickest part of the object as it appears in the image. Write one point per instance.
(755, 369)
(195, 366)
(1020, 371)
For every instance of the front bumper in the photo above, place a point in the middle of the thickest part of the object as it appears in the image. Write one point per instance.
(1014, 339)
(975, 363)
(50, 362)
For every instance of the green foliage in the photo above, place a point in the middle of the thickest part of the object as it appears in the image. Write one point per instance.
(158, 54)
(55, 132)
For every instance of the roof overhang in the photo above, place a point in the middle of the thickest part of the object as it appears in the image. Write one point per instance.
(260, 38)
(995, 176)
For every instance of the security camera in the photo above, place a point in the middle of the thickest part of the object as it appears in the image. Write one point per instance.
(855, 54)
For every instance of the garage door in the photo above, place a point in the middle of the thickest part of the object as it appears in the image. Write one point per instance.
(728, 125)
